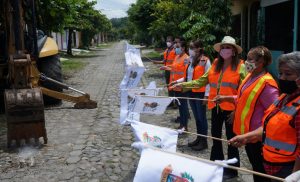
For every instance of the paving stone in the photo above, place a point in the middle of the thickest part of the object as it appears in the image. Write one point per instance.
(94, 180)
(72, 160)
(95, 159)
(78, 147)
(76, 153)
(115, 178)
(66, 176)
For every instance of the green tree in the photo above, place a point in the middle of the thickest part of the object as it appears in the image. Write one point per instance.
(121, 28)
(80, 15)
(207, 20)
(140, 14)
(168, 14)
(54, 15)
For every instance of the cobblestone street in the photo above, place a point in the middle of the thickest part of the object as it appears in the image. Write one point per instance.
(91, 145)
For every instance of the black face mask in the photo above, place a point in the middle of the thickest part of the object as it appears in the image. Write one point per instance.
(287, 86)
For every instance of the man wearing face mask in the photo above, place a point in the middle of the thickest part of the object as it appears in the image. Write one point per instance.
(224, 76)
(169, 56)
(256, 93)
(280, 133)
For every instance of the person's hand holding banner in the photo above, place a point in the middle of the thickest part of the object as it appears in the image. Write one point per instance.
(167, 68)
(177, 87)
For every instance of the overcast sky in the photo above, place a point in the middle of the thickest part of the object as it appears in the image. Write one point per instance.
(114, 8)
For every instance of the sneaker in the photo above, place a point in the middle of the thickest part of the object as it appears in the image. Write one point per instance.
(182, 128)
(229, 174)
(176, 120)
(194, 143)
(189, 116)
(201, 145)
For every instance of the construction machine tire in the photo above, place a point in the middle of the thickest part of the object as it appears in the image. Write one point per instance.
(51, 67)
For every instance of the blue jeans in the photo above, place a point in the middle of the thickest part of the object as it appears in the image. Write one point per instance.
(199, 111)
(183, 109)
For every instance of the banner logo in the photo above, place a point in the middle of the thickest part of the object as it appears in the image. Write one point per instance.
(167, 176)
(150, 106)
(153, 141)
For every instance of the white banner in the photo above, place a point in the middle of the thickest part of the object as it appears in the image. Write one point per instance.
(156, 136)
(133, 117)
(123, 106)
(131, 48)
(158, 166)
(128, 103)
(152, 85)
(134, 70)
(149, 92)
(150, 105)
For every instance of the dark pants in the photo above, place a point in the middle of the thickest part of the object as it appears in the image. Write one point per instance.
(254, 153)
(183, 109)
(217, 120)
(167, 77)
(199, 111)
(284, 172)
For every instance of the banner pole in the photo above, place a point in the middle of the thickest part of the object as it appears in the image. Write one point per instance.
(187, 98)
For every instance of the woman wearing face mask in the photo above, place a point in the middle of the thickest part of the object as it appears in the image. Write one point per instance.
(177, 71)
(199, 64)
(224, 77)
(256, 93)
(280, 133)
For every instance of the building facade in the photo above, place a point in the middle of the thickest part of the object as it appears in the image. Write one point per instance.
(272, 23)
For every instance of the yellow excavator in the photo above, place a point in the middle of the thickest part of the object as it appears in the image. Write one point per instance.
(30, 73)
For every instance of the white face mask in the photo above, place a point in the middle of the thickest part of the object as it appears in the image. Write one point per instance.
(191, 52)
(250, 66)
(169, 44)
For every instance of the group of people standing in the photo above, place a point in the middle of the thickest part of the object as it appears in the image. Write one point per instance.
(244, 96)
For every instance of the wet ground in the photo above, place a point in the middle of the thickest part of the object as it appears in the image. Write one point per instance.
(90, 145)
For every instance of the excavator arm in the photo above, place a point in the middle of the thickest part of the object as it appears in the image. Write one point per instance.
(81, 102)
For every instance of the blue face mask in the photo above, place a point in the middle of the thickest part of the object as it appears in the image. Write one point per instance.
(178, 51)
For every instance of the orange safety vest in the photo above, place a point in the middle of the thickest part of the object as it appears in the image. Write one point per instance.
(199, 70)
(179, 68)
(247, 100)
(229, 85)
(169, 56)
(279, 134)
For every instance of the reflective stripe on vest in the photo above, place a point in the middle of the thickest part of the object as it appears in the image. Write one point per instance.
(213, 85)
(276, 102)
(228, 84)
(250, 100)
(280, 145)
(177, 72)
(225, 84)
(292, 110)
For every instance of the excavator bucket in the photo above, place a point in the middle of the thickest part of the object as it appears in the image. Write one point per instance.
(24, 109)
(88, 104)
